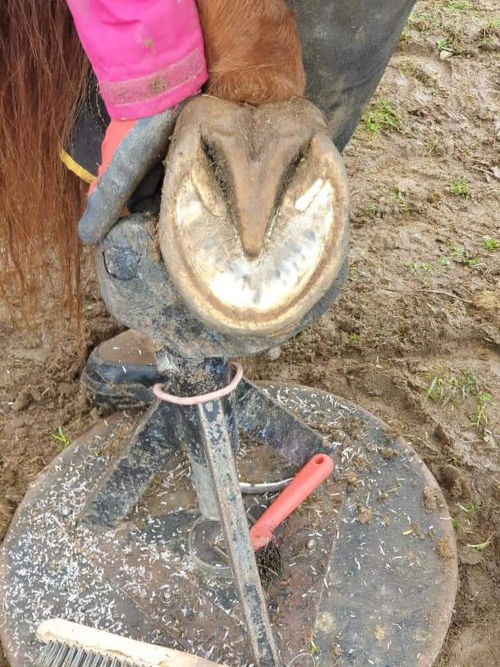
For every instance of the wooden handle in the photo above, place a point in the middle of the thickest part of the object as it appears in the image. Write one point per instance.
(108, 644)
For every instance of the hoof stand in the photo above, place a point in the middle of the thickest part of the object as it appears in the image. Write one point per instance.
(370, 568)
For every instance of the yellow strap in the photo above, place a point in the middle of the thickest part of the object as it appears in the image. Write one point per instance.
(73, 166)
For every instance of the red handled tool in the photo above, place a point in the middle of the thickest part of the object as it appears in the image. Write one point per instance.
(305, 482)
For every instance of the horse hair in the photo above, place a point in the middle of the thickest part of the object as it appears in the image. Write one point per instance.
(253, 50)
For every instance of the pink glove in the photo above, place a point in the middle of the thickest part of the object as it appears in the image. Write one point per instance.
(148, 55)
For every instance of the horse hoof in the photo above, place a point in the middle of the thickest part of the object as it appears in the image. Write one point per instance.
(253, 226)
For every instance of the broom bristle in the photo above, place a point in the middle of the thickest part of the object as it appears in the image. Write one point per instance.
(270, 564)
(59, 654)
(69, 644)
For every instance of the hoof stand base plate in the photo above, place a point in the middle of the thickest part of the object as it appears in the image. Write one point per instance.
(370, 568)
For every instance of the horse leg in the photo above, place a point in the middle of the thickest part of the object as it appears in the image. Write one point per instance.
(346, 46)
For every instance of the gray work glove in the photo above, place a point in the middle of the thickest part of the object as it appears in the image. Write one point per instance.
(142, 148)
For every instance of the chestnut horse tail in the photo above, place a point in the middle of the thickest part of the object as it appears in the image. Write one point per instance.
(43, 75)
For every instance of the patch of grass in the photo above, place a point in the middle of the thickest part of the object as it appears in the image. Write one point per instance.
(489, 438)
(459, 188)
(471, 261)
(494, 24)
(490, 244)
(454, 388)
(482, 546)
(372, 210)
(445, 44)
(485, 42)
(445, 262)
(407, 67)
(419, 267)
(460, 256)
(460, 6)
(406, 34)
(490, 30)
(402, 203)
(381, 116)
(481, 420)
(61, 437)
(430, 145)
(423, 21)
(469, 508)
(353, 339)
(447, 388)
(314, 648)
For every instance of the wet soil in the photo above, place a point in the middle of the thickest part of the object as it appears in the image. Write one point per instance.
(415, 335)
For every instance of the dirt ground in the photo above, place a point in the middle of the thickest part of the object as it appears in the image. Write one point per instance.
(415, 336)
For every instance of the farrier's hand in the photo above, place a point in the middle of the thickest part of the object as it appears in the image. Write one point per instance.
(144, 144)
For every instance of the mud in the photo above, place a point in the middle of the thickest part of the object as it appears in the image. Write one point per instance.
(415, 336)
